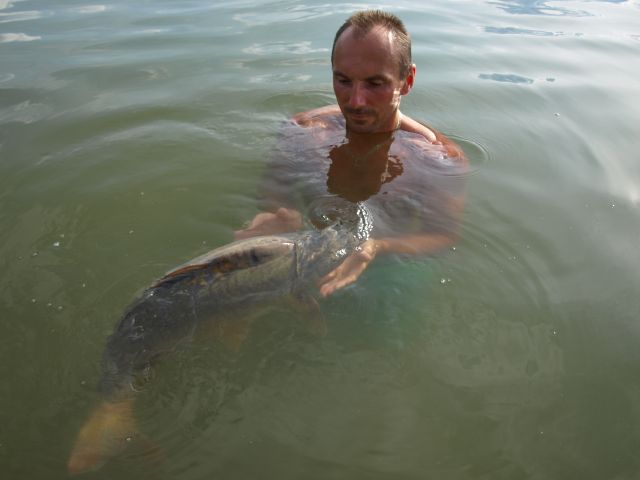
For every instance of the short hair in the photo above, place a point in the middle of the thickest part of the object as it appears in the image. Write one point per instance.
(364, 21)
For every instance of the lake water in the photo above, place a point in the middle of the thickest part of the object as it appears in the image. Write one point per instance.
(133, 136)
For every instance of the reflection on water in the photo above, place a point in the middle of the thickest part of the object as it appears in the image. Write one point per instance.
(407, 187)
(509, 78)
(519, 31)
(23, 16)
(292, 12)
(545, 7)
(17, 37)
(538, 7)
(268, 49)
(358, 178)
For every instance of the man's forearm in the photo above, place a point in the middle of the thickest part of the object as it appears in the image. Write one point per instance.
(414, 244)
(282, 220)
(353, 266)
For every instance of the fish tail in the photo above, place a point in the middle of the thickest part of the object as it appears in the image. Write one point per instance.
(106, 433)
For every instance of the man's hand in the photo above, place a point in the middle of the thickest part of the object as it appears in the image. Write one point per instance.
(283, 220)
(349, 270)
(356, 263)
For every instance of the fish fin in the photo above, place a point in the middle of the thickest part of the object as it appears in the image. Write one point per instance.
(233, 332)
(148, 452)
(307, 306)
(231, 328)
(106, 433)
(178, 274)
(218, 263)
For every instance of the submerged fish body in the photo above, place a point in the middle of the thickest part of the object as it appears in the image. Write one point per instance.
(236, 276)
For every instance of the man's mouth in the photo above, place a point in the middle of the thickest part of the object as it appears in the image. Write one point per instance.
(359, 116)
(360, 113)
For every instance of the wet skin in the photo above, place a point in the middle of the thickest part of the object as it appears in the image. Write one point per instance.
(368, 87)
(366, 81)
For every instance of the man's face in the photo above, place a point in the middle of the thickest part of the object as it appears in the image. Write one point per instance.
(366, 80)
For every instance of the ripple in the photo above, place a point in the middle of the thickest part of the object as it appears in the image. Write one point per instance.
(527, 7)
(507, 78)
(26, 112)
(297, 101)
(17, 37)
(519, 262)
(280, 78)
(298, 48)
(520, 31)
(476, 152)
(20, 16)
(152, 31)
(91, 9)
(300, 13)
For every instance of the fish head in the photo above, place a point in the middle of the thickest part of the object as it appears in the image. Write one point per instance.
(320, 251)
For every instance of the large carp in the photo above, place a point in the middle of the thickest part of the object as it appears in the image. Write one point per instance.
(199, 295)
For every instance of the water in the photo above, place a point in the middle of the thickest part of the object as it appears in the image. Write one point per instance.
(132, 138)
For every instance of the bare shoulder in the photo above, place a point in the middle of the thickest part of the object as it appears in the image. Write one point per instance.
(408, 124)
(318, 117)
(434, 137)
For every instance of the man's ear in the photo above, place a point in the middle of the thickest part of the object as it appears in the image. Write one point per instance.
(408, 81)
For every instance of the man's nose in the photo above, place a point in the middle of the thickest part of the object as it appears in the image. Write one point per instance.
(357, 97)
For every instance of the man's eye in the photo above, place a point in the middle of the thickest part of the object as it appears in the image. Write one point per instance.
(376, 83)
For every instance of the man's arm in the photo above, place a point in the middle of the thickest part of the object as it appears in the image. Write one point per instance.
(306, 129)
(283, 220)
(413, 244)
(279, 213)
(349, 270)
(316, 117)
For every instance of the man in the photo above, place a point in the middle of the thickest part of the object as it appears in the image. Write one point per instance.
(365, 148)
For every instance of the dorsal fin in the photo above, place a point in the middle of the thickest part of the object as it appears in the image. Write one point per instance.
(226, 259)
(178, 273)
(218, 266)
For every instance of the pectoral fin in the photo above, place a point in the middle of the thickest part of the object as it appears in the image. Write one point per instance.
(231, 329)
(309, 309)
(233, 332)
(108, 430)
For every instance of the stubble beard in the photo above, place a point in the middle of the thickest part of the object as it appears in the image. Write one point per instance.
(371, 123)
(367, 120)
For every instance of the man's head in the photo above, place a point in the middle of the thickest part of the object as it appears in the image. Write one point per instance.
(371, 60)
(364, 21)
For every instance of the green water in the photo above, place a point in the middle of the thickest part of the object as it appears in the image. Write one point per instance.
(133, 136)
